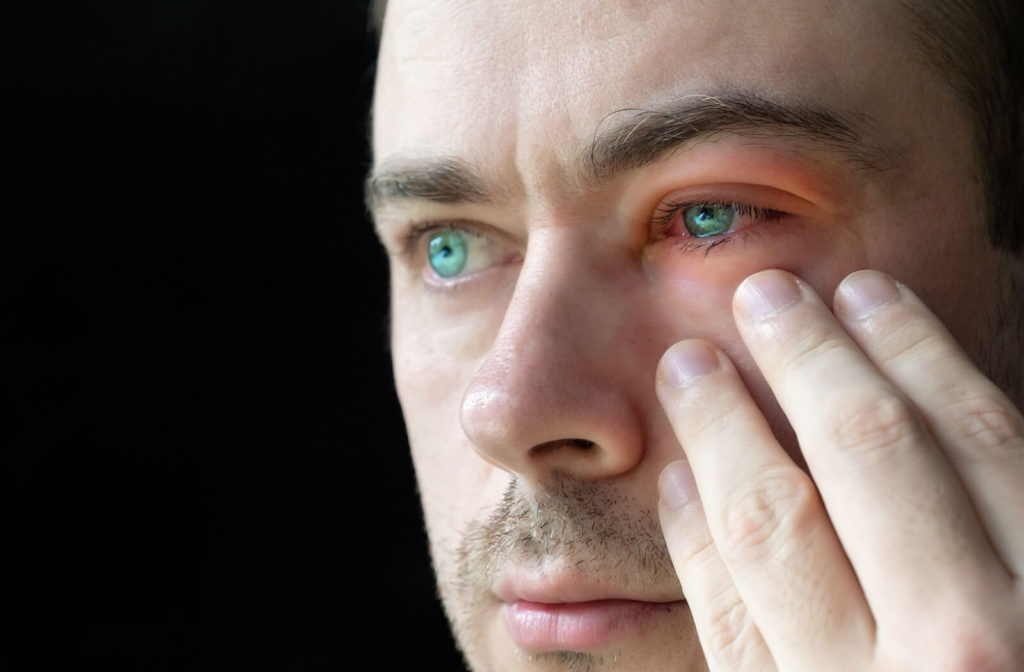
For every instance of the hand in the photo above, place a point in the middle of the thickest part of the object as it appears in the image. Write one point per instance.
(903, 548)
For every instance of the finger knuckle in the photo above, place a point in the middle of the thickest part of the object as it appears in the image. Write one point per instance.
(911, 341)
(874, 427)
(710, 418)
(693, 557)
(990, 427)
(814, 343)
(763, 520)
(729, 633)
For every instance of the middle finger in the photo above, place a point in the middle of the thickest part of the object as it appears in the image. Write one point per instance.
(901, 514)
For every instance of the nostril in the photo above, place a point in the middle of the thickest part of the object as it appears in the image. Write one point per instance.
(551, 446)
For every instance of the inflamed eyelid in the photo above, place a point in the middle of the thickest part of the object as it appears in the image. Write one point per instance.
(668, 210)
(736, 162)
(669, 213)
(709, 245)
(671, 226)
(760, 195)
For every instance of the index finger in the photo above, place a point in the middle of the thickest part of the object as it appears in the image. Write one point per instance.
(979, 429)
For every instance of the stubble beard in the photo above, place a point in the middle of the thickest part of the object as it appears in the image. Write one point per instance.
(590, 526)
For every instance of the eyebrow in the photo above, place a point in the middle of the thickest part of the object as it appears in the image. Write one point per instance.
(441, 180)
(629, 139)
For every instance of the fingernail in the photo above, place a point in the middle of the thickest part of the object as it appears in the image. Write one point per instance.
(676, 484)
(865, 292)
(686, 361)
(766, 294)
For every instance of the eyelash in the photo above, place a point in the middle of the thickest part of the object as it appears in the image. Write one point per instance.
(412, 239)
(689, 244)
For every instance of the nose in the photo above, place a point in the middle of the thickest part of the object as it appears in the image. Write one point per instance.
(560, 388)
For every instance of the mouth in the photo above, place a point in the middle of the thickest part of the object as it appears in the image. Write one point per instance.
(580, 626)
(563, 612)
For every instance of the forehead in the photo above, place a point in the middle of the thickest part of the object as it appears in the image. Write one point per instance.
(520, 86)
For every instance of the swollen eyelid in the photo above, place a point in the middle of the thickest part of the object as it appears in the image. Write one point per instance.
(709, 225)
(709, 219)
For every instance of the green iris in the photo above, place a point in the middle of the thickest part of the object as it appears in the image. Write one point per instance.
(704, 221)
(447, 254)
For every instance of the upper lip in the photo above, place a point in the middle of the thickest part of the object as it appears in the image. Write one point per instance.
(562, 585)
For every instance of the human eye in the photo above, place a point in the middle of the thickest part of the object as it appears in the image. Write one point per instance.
(706, 224)
(450, 252)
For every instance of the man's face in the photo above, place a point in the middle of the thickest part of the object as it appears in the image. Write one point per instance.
(596, 178)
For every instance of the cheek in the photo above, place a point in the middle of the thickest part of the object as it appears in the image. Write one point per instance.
(433, 367)
(452, 479)
(697, 288)
(696, 292)
(430, 388)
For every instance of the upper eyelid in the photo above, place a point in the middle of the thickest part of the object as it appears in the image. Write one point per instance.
(413, 236)
(667, 211)
(754, 195)
(742, 207)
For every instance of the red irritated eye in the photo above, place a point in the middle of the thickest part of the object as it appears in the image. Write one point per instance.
(707, 224)
(707, 220)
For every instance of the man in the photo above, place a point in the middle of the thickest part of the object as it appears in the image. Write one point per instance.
(662, 417)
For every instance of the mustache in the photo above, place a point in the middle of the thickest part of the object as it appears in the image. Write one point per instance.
(591, 525)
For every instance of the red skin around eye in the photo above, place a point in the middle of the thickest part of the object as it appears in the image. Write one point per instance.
(695, 284)
(776, 175)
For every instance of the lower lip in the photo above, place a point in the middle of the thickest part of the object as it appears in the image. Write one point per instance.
(578, 626)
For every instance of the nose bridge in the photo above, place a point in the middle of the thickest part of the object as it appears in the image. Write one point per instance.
(552, 311)
(550, 393)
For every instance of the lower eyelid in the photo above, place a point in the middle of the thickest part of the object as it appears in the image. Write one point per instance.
(758, 233)
(708, 245)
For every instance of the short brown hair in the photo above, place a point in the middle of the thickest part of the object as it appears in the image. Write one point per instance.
(978, 44)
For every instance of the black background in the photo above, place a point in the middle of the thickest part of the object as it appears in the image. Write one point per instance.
(204, 466)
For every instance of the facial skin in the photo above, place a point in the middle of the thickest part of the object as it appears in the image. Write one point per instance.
(527, 383)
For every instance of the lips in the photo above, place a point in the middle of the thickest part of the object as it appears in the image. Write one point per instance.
(579, 626)
(559, 612)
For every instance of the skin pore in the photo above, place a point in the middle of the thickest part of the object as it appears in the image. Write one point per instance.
(567, 146)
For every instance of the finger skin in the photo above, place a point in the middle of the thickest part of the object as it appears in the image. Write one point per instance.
(902, 515)
(979, 429)
(728, 636)
(764, 515)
